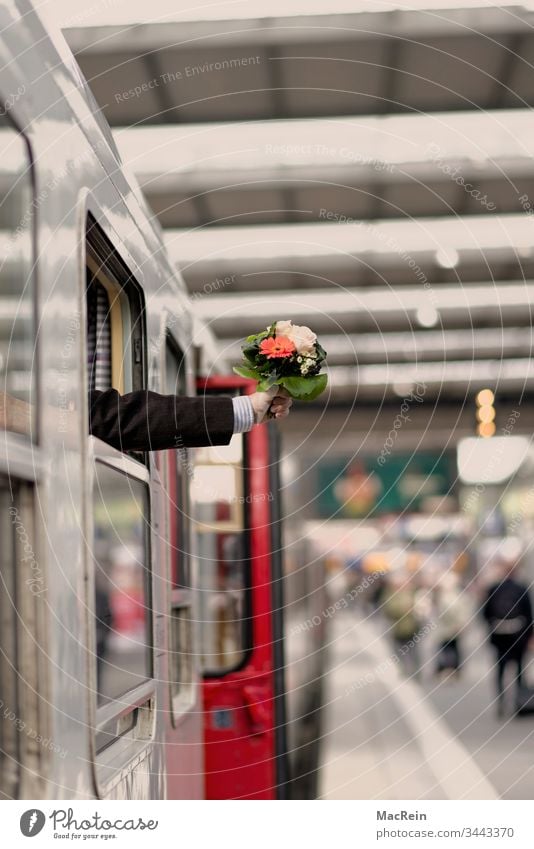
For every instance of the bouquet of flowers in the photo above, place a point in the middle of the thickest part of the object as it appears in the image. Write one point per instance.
(285, 355)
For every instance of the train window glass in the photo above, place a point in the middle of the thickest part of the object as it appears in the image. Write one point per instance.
(181, 658)
(122, 585)
(22, 688)
(17, 323)
(179, 473)
(115, 317)
(182, 667)
(220, 519)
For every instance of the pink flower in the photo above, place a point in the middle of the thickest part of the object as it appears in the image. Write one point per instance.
(277, 346)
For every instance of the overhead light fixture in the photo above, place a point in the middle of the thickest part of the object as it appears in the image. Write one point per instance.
(447, 257)
(485, 413)
(403, 390)
(427, 316)
(491, 461)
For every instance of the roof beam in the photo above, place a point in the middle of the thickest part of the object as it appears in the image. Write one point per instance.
(332, 245)
(394, 148)
(268, 29)
(348, 311)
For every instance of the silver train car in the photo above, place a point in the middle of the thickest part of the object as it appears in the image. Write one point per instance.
(87, 711)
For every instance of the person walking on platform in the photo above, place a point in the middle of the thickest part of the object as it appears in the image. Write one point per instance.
(508, 613)
(452, 612)
(401, 609)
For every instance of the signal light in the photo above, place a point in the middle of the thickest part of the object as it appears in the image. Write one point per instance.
(485, 413)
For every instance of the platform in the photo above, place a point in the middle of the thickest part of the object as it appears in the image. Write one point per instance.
(384, 737)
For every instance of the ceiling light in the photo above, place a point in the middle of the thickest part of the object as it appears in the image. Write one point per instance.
(427, 316)
(447, 257)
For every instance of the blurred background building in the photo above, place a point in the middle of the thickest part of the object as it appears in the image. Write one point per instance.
(366, 169)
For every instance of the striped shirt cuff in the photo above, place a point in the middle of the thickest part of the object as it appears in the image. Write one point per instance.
(243, 414)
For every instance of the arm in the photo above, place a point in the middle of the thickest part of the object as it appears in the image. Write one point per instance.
(147, 421)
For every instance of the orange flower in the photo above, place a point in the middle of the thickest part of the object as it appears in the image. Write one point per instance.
(277, 346)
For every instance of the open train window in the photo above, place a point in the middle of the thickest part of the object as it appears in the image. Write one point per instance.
(218, 491)
(181, 621)
(17, 285)
(121, 556)
(115, 317)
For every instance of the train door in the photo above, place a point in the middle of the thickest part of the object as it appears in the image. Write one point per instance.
(123, 574)
(236, 503)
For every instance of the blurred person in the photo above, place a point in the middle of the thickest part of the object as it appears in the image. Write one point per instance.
(400, 607)
(452, 611)
(508, 612)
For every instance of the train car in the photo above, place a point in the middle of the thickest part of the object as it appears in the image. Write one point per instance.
(142, 614)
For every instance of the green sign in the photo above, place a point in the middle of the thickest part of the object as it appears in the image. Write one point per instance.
(366, 487)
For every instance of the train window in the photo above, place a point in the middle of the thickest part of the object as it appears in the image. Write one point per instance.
(179, 472)
(115, 317)
(17, 288)
(122, 586)
(181, 659)
(121, 571)
(218, 491)
(23, 589)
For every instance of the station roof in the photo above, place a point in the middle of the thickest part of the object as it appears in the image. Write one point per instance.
(368, 172)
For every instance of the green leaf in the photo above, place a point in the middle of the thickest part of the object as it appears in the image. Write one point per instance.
(243, 371)
(267, 382)
(304, 388)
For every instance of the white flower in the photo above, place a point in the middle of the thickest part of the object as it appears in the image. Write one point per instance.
(284, 328)
(302, 337)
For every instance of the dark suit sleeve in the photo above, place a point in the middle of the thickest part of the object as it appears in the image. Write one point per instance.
(146, 421)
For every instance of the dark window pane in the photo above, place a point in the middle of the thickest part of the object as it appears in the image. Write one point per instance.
(121, 582)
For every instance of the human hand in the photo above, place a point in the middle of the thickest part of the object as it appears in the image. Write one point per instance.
(273, 404)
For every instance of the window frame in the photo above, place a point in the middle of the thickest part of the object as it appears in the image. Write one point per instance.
(225, 527)
(140, 702)
(139, 696)
(181, 598)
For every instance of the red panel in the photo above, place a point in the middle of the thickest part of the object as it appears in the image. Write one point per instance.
(240, 759)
